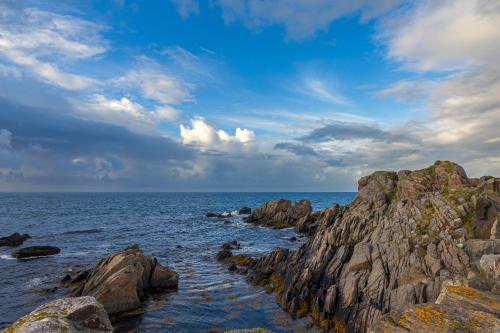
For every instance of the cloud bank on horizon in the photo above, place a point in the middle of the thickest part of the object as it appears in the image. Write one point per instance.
(243, 95)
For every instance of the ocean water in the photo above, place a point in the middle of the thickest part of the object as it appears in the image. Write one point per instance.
(87, 226)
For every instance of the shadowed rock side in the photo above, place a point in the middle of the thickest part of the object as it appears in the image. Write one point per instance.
(404, 235)
(119, 280)
(281, 214)
(35, 251)
(67, 315)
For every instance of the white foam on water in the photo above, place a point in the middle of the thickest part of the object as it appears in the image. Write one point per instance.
(7, 257)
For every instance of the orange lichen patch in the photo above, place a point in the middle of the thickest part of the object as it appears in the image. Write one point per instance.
(473, 294)
(427, 315)
(31, 317)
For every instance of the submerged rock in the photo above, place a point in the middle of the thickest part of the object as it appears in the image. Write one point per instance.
(35, 251)
(67, 315)
(404, 235)
(15, 239)
(120, 280)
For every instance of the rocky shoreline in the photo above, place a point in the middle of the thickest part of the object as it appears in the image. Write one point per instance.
(405, 238)
(415, 251)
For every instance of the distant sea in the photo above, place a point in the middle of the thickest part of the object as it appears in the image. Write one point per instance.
(87, 226)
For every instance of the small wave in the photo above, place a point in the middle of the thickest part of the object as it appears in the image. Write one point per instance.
(7, 257)
(85, 231)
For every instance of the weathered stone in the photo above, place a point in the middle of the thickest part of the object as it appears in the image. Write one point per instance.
(67, 315)
(457, 309)
(283, 214)
(119, 280)
(490, 264)
(35, 251)
(15, 239)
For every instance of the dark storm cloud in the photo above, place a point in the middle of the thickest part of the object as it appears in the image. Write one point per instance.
(69, 136)
(350, 131)
(296, 148)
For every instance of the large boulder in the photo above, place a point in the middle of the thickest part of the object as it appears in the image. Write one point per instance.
(281, 214)
(120, 280)
(35, 251)
(245, 211)
(393, 246)
(67, 315)
(15, 239)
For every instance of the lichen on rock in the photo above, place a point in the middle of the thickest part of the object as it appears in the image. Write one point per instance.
(67, 315)
(404, 235)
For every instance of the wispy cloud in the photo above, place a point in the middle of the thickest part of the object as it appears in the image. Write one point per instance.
(318, 89)
(34, 39)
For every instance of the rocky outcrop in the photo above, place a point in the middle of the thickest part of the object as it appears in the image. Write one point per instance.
(457, 309)
(281, 214)
(15, 239)
(120, 280)
(67, 315)
(403, 236)
(245, 211)
(35, 251)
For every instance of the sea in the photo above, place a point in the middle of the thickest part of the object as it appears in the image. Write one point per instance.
(170, 226)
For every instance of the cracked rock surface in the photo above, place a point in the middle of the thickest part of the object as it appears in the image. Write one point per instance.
(404, 237)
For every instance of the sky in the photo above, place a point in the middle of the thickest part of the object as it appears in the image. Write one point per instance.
(244, 95)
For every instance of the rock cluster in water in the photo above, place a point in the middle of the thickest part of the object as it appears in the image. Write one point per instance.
(405, 236)
(120, 280)
(115, 285)
(280, 214)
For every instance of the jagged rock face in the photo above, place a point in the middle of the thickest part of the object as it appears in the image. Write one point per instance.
(119, 280)
(403, 235)
(284, 214)
(67, 315)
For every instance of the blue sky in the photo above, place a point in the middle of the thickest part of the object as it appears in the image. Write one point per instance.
(243, 95)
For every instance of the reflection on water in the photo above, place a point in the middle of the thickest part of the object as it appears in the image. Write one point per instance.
(170, 226)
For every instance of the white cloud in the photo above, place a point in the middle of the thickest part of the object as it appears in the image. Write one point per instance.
(461, 36)
(125, 112)
(301, 19)
(157, 85)
(318, 89)
(203, 134)
(122, 112)
(39, 40)
(5, 139)
(186, 8)
(406, 91)
(445, 35)
(166, 113)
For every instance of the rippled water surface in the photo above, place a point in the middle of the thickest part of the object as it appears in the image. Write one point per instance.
(87, 226)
